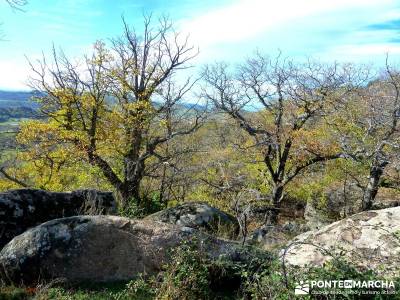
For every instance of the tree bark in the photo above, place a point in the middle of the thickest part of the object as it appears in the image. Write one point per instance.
(372, 187)
(129, 192)
(277, 195)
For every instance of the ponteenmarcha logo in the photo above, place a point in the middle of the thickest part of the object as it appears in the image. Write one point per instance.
(368, 286)
(302, 288)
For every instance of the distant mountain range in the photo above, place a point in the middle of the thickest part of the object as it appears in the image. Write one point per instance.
(12, 99)
(17, 95)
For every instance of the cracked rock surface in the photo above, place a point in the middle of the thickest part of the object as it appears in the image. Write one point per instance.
(369, 239)
(102, 249)
(197, 215)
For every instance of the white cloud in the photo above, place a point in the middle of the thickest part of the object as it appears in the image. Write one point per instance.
(330, 29)
(14, 74)
(327, 28)
(246, 19)
(362, 52)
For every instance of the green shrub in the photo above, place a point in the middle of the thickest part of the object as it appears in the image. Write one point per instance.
(187, 276)
(149, 204)
(138, 289)
(131, 210)
(152, 203)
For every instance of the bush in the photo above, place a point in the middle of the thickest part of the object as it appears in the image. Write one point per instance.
(187, 277)
(149, 204)
(131, 210)
(138, 289)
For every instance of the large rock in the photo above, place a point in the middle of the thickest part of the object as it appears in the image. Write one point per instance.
(336, 202)
(101, 249)
(199, 216)
(369, 239)
(270, 237)
(25, 208)
(315, 217)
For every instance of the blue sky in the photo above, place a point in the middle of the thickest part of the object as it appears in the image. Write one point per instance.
(347, 30)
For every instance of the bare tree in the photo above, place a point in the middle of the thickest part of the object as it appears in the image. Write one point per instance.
(368, 130)
(288, 99)
(17, 4)
(122, 106)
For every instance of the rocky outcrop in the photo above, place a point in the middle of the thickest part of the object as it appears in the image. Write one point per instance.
(270, 237)
(382, 203)
(101, 249)
(25, 208)
(369, 239)
(199, 216)
(315, 217)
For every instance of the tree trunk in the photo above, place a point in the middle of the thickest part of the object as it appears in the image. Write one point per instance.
(277, 195)
(130, 191)
(373, 185)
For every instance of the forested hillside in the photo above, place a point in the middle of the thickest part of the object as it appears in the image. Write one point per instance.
(240, 180)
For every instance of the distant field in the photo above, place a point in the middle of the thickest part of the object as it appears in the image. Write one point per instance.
(7, 141)
(14, 108)
(8, 131)
(11, 125)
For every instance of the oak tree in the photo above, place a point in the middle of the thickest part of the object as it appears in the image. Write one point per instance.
(280, 104)
(117, 109)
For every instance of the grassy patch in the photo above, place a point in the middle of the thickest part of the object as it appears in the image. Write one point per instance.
(103, 291)
(13, 293)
